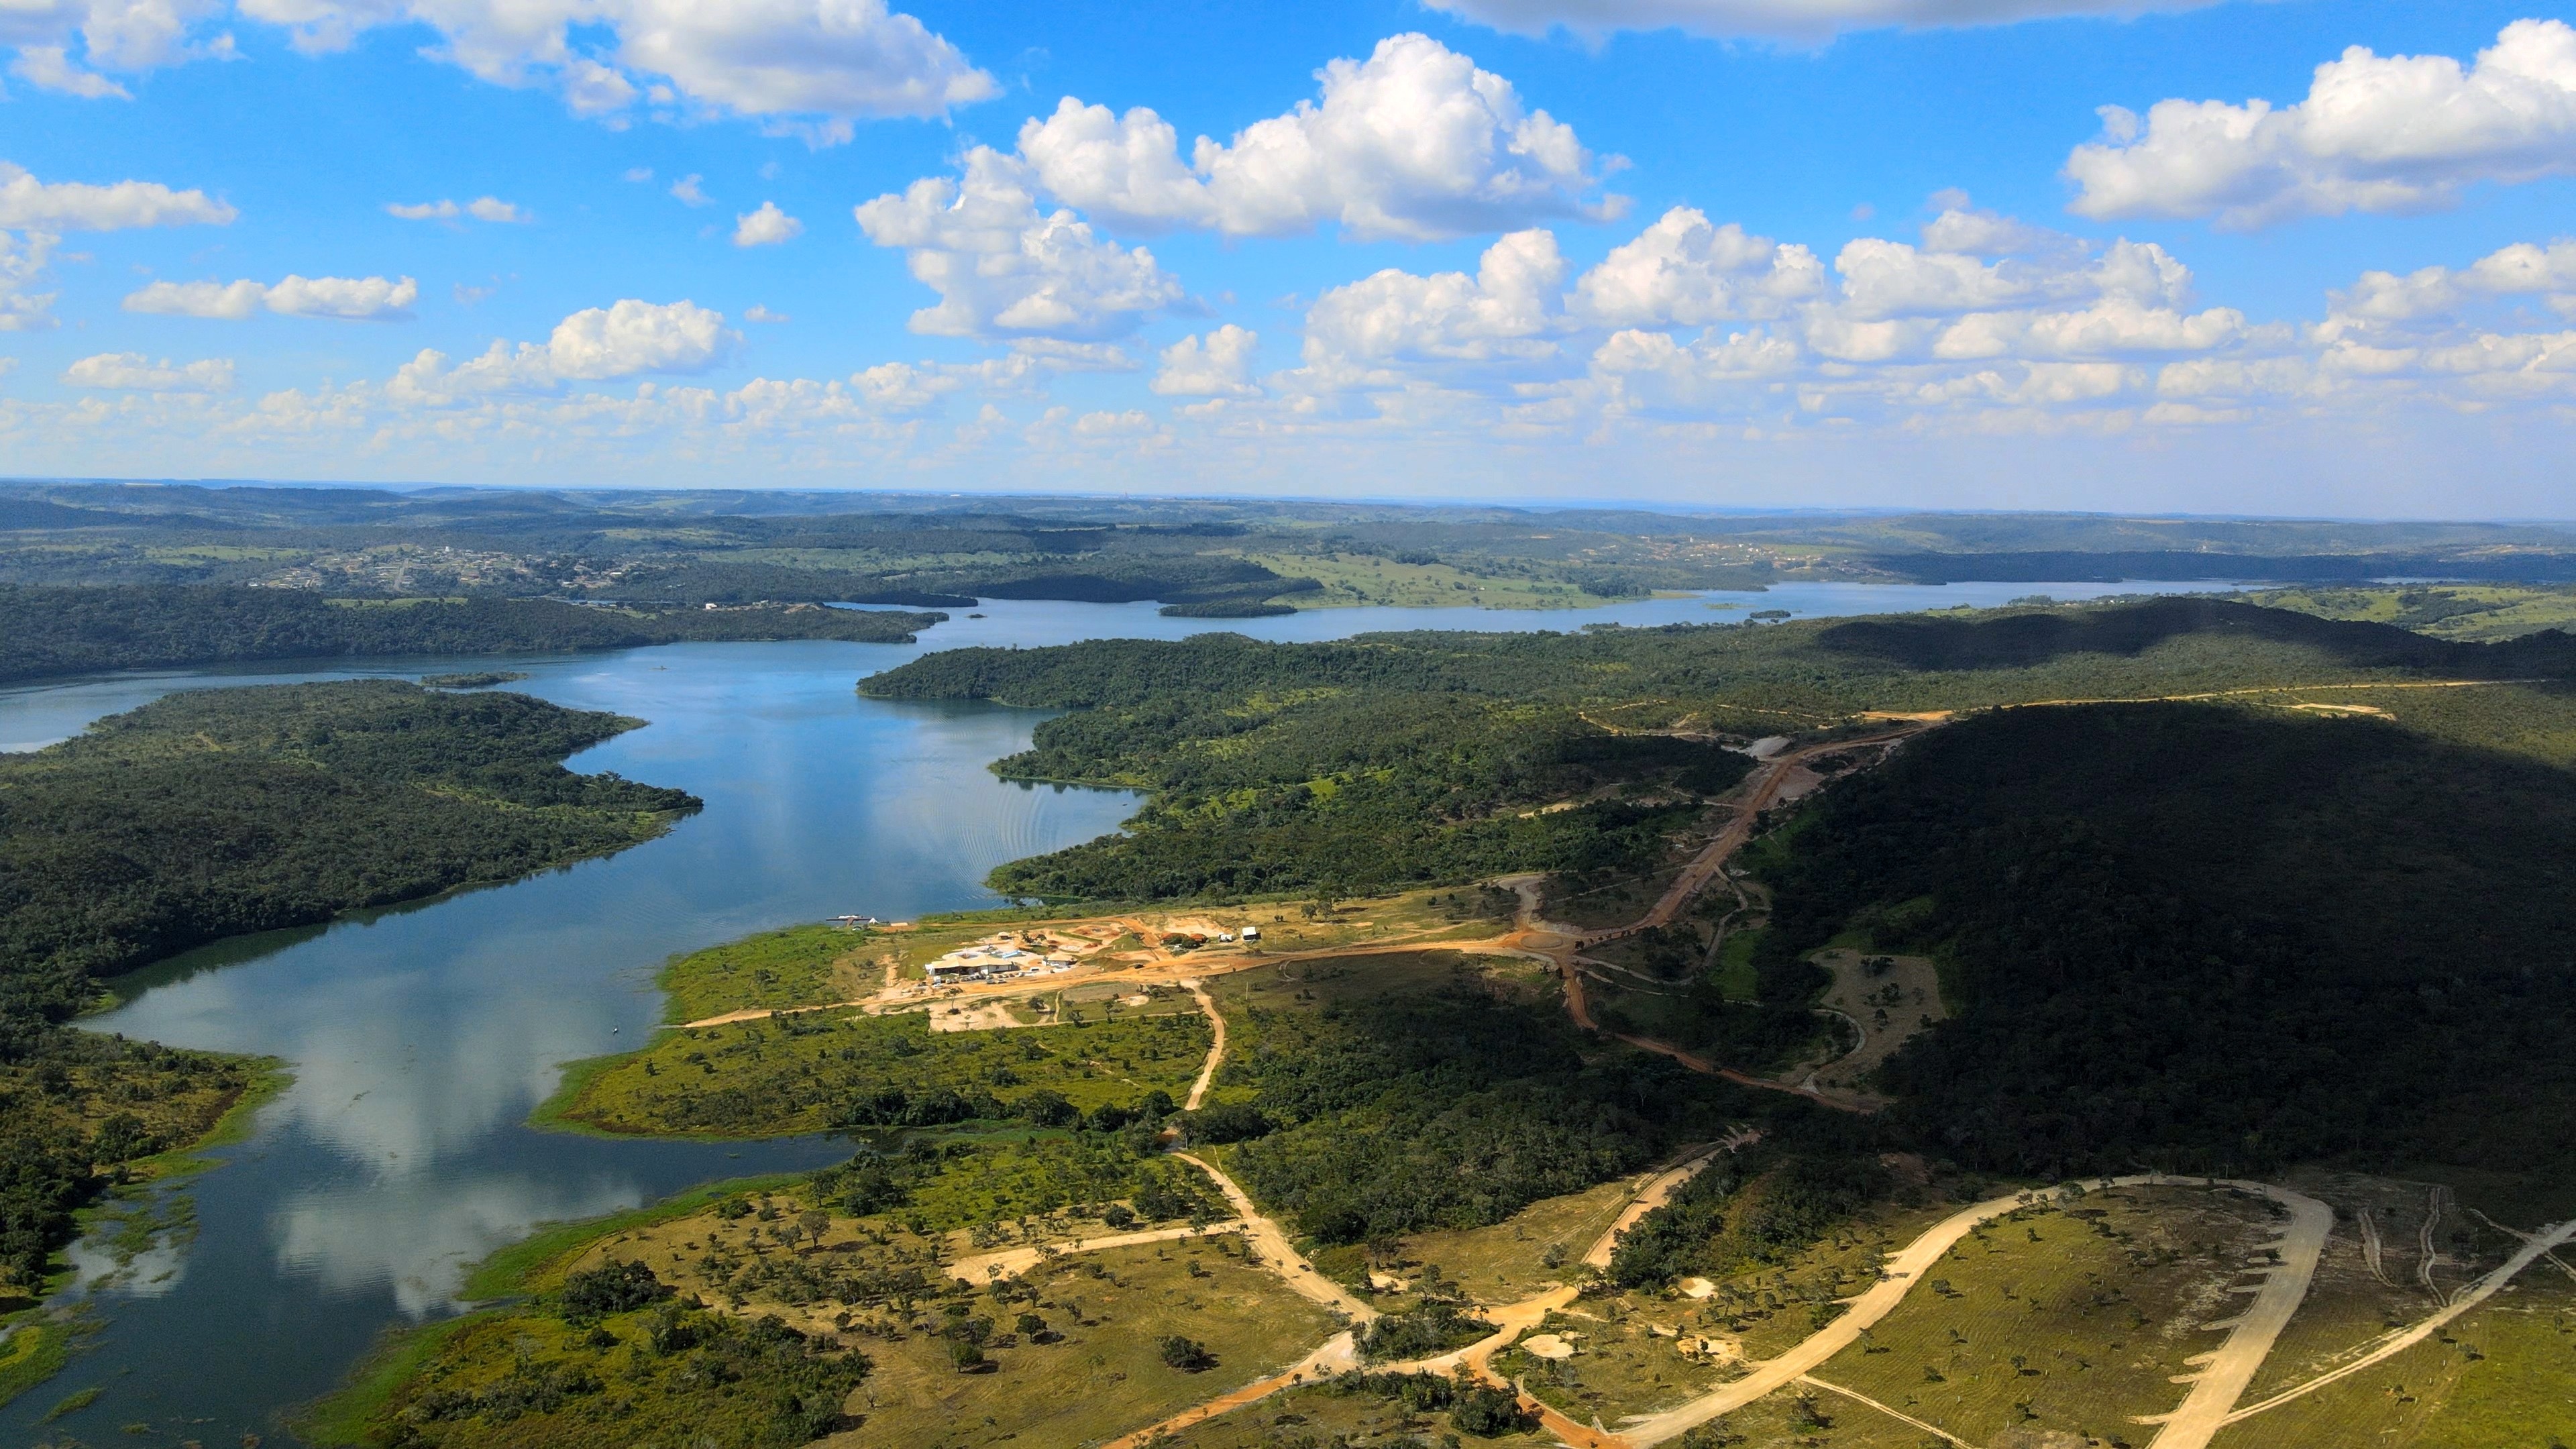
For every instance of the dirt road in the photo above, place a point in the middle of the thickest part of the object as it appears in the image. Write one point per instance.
(1902, 1272)
(2225, 1374)
(763, 1013)
(2535, 1247)
(1277, 1251)
(1704, 867)
(983, 1268)
(1337, 1356)
(1657, 1193)
(1216, 1048)
(1580, 1009)
(1899, 1415)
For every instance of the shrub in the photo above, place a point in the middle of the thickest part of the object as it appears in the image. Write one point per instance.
(610, 1288)
(1490, 1413)
(1227, 1122)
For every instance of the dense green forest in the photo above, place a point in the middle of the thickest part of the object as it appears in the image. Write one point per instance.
(76, 1109)
(2214, 938)
(50, 631)
(214, 812)
(1399, 758)
(1454, 1108)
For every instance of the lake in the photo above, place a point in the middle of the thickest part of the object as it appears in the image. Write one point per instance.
(420, 1038)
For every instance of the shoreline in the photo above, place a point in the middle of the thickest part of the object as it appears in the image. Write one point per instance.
(50, 1325)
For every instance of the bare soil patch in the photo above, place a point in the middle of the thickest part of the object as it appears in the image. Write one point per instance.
(1887, 998)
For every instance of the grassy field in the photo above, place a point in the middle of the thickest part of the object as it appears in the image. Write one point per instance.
(1100, 1373)
(1735, 979)
(806, 1073)
(2067, 1320)
(1802, 1416)
(764, 1296)
(1509, 1260)
(2501, 1377)
(1352, 579)
(799, 966)
(1599, 905)
(2476, 612)
(1337, 979)
(1627, 1359)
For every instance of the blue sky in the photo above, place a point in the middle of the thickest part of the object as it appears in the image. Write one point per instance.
(1715, 251)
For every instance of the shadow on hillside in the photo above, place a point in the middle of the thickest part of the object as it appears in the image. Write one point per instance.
(2016, 641)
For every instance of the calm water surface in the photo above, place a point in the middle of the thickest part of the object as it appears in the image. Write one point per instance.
(421, 1038)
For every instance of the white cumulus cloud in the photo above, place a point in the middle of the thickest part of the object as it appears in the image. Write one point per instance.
(1683, 271)
(597, 344)
(110, 35)
(633, 337)
(1415, 142)
(1883, 279)
(1506, 311)
(481, 208)
(2396, 133)
(810, 66)
(1989, 321)
(134, 372)
(349, 299)
(1216, 365)
(766, 227)
(1965, 227)
(1791, 20)
(22, 270)
(1002, 269)
(79, 206)
(1658, 370)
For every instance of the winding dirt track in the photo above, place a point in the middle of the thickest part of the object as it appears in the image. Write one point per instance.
(984, 1268)
(1704, 867)
(2226, 1373)
(1902, 1417)
(1906, 1269)
(1278, 1252)
(2535, 1247)
(1337, 1354)
(1216, 1048)
(1658, 1192)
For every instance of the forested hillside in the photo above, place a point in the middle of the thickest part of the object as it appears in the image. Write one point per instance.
(1453, 1108)
(1264, 780)
(210, 813)
(2214, 939)
(1428, 757)
(49, 631)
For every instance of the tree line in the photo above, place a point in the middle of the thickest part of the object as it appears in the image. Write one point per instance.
(51, 631)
